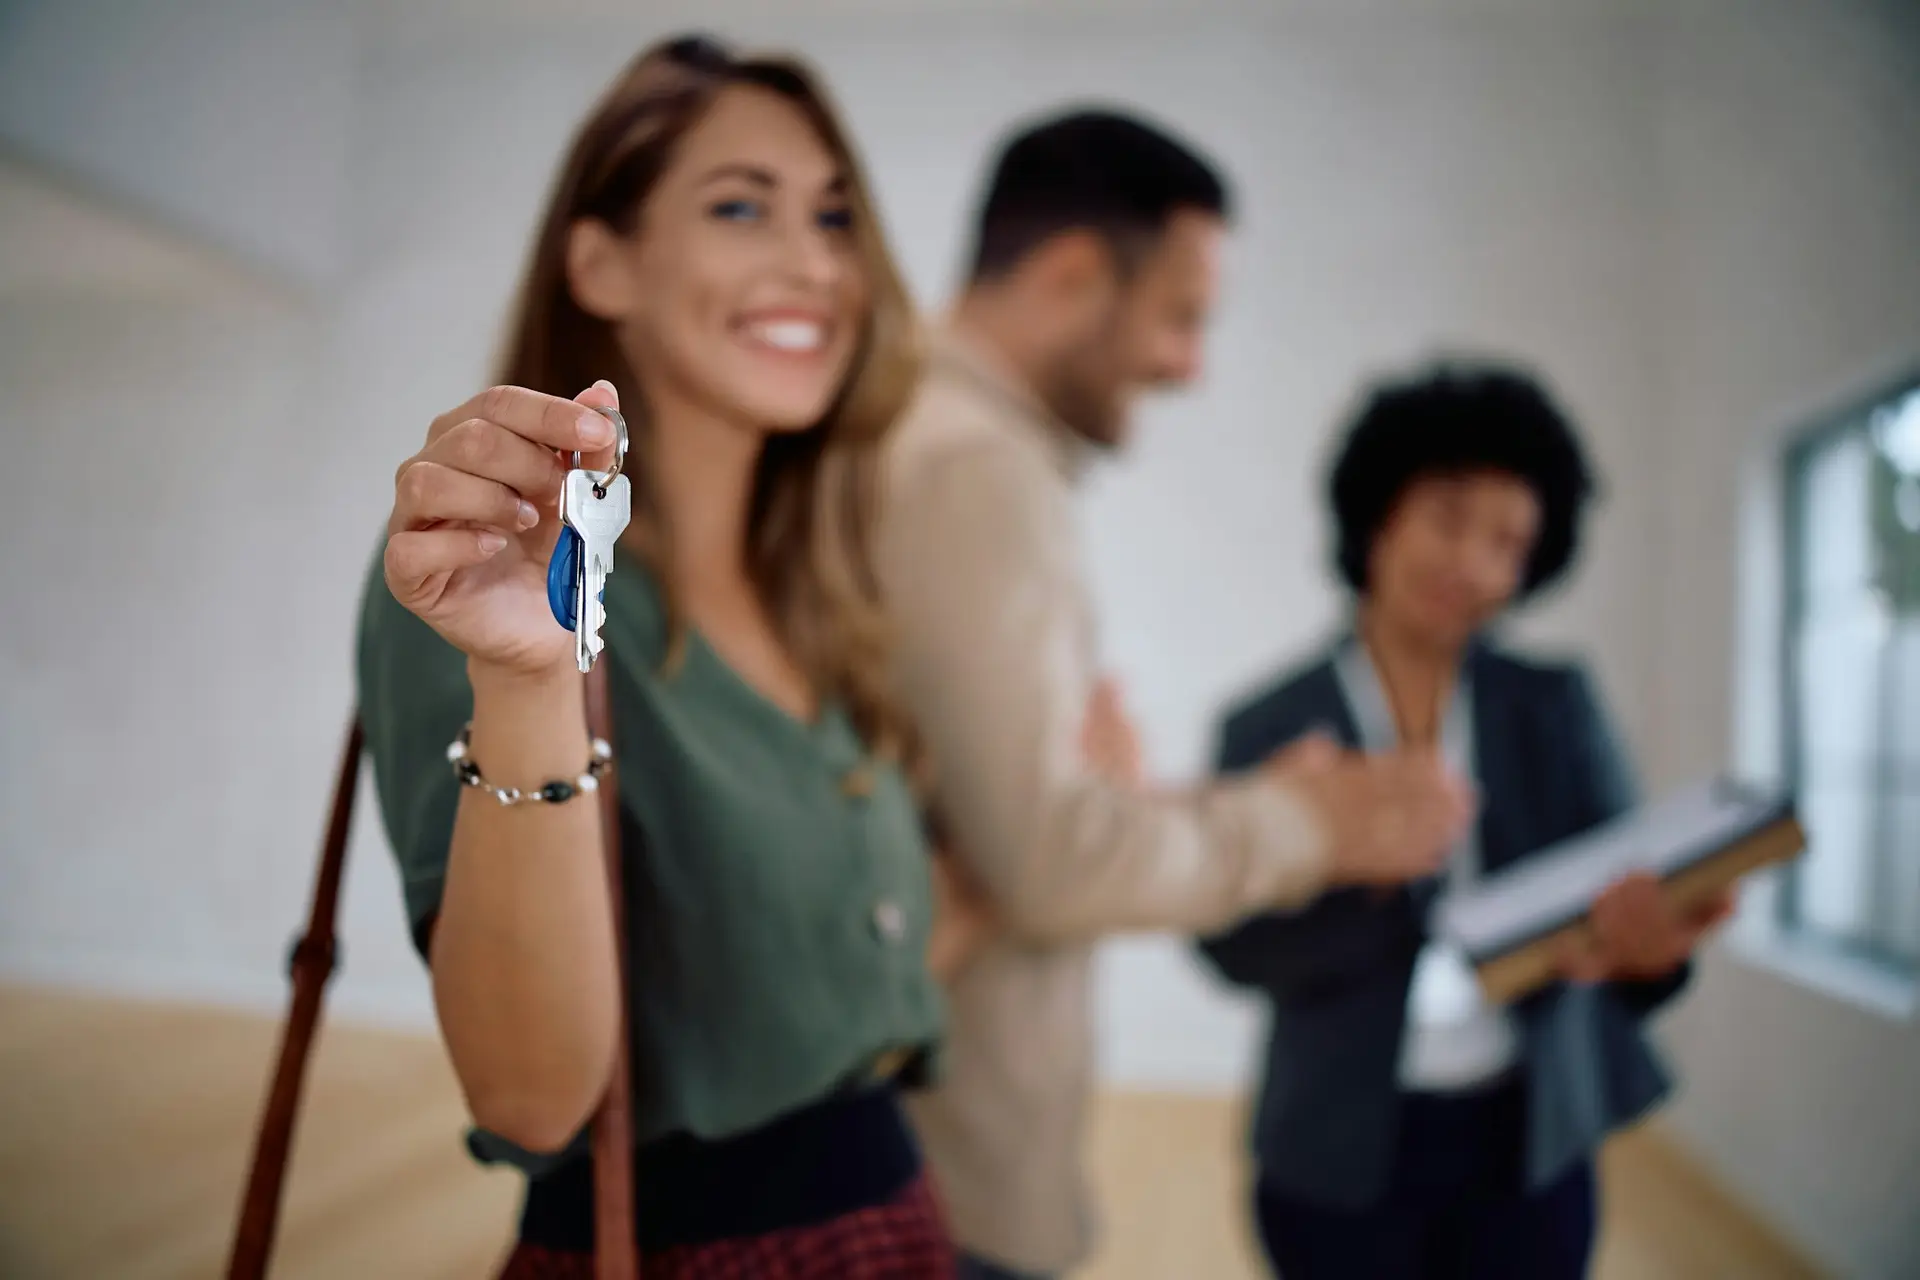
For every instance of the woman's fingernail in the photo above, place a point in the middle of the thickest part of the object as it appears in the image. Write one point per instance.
(596, 430)
(491, 542)
(607, 386)
(529, 515)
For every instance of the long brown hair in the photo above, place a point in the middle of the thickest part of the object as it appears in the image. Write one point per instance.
(815, 492)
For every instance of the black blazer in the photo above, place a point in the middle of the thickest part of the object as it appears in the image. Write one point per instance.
(1337, 972)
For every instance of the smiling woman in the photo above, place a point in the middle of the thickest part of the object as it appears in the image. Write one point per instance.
(711, 263)
(711, 238)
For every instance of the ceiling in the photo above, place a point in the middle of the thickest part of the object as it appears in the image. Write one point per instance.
(415, 18)
(56, 235)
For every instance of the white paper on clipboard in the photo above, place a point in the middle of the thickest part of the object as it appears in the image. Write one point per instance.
(1513, 906)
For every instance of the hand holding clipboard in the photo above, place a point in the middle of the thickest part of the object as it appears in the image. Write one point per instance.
(1582, 908)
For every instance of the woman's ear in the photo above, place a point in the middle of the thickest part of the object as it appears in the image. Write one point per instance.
(599, 271)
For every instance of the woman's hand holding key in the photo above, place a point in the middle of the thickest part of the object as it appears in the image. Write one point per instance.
(475, 518)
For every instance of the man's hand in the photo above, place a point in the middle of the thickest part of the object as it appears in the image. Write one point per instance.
(1314, 753)
(1389, 818)
(962, 918)
(1635, 934)
(1107, 736)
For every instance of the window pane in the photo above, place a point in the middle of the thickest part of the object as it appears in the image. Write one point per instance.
(1895, 924)
(1854, 681)
(1838, 643)
(1895, 433)
(1838, 706)
(1837, 555)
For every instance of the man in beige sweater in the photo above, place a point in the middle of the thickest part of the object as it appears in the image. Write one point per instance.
(1091, 281)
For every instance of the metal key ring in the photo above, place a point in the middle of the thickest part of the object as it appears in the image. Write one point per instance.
(603, 479)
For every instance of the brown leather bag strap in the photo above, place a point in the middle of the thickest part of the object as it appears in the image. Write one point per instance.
(615, 1245)
(311, 965)
(616, 1253)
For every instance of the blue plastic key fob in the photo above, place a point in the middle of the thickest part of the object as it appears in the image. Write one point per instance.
(563, 573)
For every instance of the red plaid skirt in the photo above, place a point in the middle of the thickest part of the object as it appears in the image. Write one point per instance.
(904, 1239)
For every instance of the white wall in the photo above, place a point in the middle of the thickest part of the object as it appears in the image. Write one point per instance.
(1653, 209)
(1789, 153)
(227, 119)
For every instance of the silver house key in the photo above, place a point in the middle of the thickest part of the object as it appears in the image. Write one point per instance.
(594, 508)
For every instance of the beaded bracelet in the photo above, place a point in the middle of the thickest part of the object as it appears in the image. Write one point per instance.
(559, 791)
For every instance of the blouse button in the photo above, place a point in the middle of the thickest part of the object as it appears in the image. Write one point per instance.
(889, 921)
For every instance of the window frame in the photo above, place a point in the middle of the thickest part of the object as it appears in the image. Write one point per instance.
(1796, 459)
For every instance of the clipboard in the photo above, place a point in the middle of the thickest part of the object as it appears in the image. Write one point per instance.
(1513, 924)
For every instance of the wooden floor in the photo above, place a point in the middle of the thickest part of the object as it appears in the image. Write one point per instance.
(124, 1133)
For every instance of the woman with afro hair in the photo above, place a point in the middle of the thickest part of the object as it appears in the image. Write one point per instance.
(1405, 1128)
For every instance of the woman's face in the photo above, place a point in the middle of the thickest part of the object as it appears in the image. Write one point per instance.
(741, 291)
(1452, 552)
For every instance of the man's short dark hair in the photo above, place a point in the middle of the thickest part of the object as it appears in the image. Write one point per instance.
(1449, 419)
(1100, 170)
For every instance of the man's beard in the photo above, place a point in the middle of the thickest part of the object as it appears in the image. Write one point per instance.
(1082, 390)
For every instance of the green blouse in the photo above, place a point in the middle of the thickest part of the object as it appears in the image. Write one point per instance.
(777, 924)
